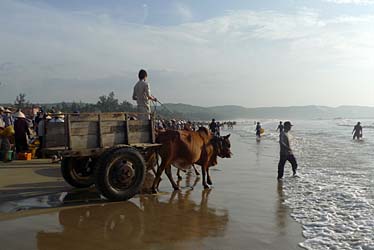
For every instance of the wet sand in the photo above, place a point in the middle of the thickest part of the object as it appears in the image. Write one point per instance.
(243, 210)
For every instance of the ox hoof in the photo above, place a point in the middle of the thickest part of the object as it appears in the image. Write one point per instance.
(210, 182)
(206, 187)
(179, 177)
(177, 189)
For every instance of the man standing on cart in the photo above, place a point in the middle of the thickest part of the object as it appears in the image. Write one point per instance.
(142, 96)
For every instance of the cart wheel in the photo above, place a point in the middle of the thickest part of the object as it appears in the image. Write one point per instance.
(119, 175)
(78, 172)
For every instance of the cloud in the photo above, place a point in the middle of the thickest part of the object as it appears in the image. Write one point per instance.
(145, 12)
(359, 2)
(45, 49)
(183, 11)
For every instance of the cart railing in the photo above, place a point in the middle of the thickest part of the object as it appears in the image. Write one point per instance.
(98, 130)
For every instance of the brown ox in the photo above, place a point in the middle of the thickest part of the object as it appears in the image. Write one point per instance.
(184, 148)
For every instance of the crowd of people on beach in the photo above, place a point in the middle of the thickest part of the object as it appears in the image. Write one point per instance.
(19, 130)
(174, 124)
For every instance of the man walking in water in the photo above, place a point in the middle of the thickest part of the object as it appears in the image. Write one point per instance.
(258, 130)
(357, 131)
(286, 153)
(142, 95)
(280, 127)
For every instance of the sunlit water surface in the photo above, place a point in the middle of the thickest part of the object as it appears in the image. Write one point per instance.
(334, 197)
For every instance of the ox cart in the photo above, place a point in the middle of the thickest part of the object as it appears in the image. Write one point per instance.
(110, 150)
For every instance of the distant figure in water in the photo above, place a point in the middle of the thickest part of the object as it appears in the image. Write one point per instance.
(280, 127)
(286, 153)
(258, 130)
(214, 128)
(357, 131)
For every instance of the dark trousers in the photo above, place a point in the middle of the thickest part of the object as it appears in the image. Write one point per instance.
(282, 161)
(21, 144)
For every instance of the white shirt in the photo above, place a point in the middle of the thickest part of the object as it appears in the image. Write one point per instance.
(141, 94)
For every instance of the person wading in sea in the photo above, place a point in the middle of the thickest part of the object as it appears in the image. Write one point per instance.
(280, 127)
(286, 153)
(258, 130)
(142, 95)
(357, 131)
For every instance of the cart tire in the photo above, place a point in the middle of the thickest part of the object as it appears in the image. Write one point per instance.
(74, 171)
(120, 173)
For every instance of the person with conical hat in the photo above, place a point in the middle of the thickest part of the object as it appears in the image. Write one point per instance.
(7, 117)
(2, 123)
(21, 129)
(58, 117)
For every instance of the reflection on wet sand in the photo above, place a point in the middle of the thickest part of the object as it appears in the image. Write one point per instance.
(281, 211)
(126, 225)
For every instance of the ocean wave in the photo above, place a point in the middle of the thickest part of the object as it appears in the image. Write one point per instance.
(334, 198)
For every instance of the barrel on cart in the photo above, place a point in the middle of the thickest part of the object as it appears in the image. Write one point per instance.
(110, 150)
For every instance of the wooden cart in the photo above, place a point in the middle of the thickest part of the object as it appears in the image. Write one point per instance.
(109, 150)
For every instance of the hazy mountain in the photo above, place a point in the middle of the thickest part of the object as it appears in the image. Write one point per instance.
(231, 112)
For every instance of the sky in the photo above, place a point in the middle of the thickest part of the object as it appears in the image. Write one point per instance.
(207, 53)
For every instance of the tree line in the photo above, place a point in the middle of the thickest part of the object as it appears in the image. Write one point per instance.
(105, 103)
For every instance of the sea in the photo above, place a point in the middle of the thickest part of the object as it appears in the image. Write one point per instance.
(333, 195)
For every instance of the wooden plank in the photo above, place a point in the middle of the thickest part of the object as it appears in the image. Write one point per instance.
(109, 127)
(83, 117)
(55, 135)
(138, 122)
(55, 141)
(68, 131)
(126, 136)
(112, 116)
(138, 128)
(84, 141)
(99, 132)
(55, 128)
(110, 140)
(84, 128)
(117, 116)
(152, 131)
(139, 137)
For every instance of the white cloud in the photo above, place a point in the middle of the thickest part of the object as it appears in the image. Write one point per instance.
(258, 51)
(183, 11)
(359, 2)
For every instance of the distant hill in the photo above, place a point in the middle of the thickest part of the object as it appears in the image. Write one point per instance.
(227, 112)
(231, 112)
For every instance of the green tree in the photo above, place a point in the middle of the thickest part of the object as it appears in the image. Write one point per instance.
(21, 102)
(127, 107)
(108, 103)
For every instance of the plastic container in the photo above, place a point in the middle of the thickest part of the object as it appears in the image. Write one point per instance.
(7, 155)
(24, 156)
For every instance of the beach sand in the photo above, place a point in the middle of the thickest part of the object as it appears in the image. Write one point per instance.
(242, 210)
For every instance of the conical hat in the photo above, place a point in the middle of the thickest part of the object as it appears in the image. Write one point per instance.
(19, 114)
